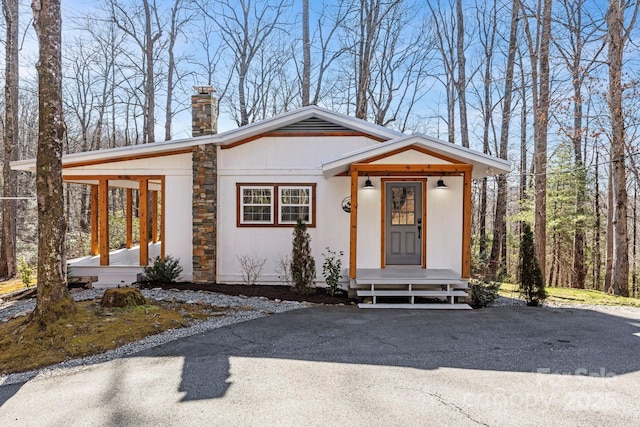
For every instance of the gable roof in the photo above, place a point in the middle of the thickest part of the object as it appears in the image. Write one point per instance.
(483, 164)
(310, 117)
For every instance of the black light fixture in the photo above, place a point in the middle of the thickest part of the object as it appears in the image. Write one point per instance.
(441, 185)
(368, 185)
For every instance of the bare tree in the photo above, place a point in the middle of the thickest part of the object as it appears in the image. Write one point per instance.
(538, 45)
(53, 299)
(461, 82)
(306, 54)
(9, 177)
(580, 29)
(445, 23)
(144, 27)
(617, 36)
(177, 21)
(246, 28)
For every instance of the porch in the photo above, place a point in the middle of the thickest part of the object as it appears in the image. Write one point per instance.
(413, 288)
(123, 269)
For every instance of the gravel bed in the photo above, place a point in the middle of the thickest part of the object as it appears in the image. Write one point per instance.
(241, 310)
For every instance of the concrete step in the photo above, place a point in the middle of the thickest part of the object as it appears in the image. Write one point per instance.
(443, 306)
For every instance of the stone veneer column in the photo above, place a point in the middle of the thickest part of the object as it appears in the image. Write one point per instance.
(204, 212)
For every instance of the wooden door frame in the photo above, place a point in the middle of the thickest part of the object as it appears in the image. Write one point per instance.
(383, 222)
(418, 170)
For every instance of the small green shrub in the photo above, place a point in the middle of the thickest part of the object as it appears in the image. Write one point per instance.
(26, 272)
(331, 270)
(532, 285)
(303, 266)
(165, 271)
(483, 293)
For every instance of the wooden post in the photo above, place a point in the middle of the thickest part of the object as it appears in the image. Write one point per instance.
(144, 221)
(95, 205)
(162, 216)
(353, 236)
(103, 195)
(466, 226)
(129, 219)
(154, 216)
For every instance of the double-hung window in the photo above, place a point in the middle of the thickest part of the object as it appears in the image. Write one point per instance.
(276, 205)
(294, 202)
(256, 205)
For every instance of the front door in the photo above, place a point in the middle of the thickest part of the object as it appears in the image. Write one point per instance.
(403, 223)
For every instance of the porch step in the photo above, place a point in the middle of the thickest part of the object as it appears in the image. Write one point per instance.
(411, 293)
(458, 306)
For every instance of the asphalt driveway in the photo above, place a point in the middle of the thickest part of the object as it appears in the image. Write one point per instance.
(344, 366)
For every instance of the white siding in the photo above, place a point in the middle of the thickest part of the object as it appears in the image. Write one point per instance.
(178, 173)
(444, 224)
(275, 160)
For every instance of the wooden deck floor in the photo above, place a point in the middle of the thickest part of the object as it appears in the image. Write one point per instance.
(406, 274)
(119, 258)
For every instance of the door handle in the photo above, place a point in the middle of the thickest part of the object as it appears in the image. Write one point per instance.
(419, 228)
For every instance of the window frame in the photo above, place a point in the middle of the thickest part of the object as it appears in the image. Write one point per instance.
(276, 208)
(242, 205)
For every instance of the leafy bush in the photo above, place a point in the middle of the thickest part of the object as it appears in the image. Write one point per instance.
(26, 272)
(483, 293)
(165, 271)
(303, 266)
(331, 270)
(531, 282)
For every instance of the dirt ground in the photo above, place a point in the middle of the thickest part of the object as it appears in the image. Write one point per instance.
(283, 293)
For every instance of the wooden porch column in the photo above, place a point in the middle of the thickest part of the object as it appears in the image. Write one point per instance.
(129, 219)
(466, 226)
(162, 217)
(154, 216)
(144, 221)
(353, 236)
(103, 196)
(95, 202)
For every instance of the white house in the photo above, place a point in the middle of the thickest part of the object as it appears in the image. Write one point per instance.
(398, 206)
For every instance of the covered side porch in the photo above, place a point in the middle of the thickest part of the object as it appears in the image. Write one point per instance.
(116, 266)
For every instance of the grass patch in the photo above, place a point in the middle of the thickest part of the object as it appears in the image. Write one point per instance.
(12, 285)
(93, 329)
(574, 296)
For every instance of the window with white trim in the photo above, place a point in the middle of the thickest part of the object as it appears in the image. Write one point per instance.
(256, 205)
(275, 205)
(294, 203)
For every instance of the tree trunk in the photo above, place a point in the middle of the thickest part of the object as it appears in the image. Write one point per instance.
(597, 258)
(620, 274)
(497, 262)
(9, 177)
(149, 94)
(608, 274)
(541, 120)
(461, 83)
(306, 54)
(53, 299)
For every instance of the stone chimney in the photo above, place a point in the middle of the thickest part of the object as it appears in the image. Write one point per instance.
(204, 107)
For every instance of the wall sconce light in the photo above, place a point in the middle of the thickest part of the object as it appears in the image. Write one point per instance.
(368, 185)
(441, 185)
